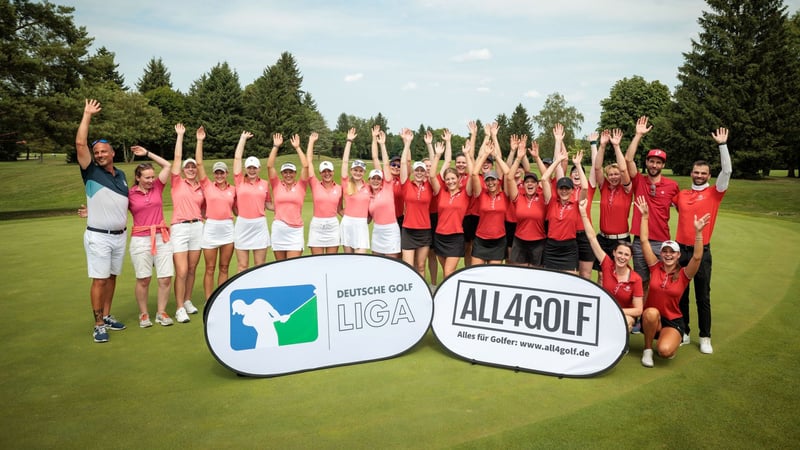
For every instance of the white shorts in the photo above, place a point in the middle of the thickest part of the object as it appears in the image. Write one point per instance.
(251, 234)
(355, 232)
(386, 238)
(286, 238)
(104, 253)
(324, 232)
(144, 261)
(217, 233)
(186, 236)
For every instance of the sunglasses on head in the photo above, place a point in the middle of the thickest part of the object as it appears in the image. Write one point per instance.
(99, 141)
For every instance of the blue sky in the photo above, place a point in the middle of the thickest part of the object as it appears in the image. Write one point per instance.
(435, 62)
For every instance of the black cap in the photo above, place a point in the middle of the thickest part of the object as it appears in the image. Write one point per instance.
(547, 161)
(565, 182)
(395, 158)
(530, 175)
(490, 159)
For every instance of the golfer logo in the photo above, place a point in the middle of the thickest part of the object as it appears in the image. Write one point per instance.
(273, 317)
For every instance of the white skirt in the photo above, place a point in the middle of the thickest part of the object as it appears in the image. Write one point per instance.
(386, 238)
(251, 234)
(217, 233)
(355, 232)
(324, 232)
(286, 238)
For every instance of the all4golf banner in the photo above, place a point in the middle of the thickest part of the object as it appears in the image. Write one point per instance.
(323, 311)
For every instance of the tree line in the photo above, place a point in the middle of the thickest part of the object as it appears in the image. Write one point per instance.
(742, 72)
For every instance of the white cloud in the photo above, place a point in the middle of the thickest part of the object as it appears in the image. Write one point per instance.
(410, 86)
(532, 94)
(483, 90)
(473, 55)
(353, 77)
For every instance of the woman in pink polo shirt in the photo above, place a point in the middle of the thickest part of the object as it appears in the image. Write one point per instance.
(288, 194)
(385, 230)
(217, 242)
(150, 246)
(355, 230)
(188, 203)
(324, 233)
(250, 233)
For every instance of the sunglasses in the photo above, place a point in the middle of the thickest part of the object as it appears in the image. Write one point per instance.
(394, 165)
(652, 190)
(99, 141)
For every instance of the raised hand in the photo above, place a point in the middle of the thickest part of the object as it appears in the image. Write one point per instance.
(92, 107)
(277, 140)
(439, 148)
(245, 135)
(201, 133)
(593, 136)
(473, 127)
(616, 137)
(381, 138)
(351, 134)
(605, 137)
(577, 158)
(376, 129)
(138, 150)
(701, 223)
(312, 138)
(294, 140)
(641, 204)
(558, 132)
(180, 129)
(641, 126)
(534, 150)
(446, 136)
(720, 136)
(428, 138)
(513, 142)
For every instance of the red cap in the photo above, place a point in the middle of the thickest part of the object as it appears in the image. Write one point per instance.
(658, 154)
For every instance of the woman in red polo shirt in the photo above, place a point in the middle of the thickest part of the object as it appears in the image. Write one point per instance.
(619, 279)
(490, 236)
(614, 184)
(662, 317)
(417, 196)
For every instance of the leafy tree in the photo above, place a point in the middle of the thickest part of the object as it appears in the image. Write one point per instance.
(629, 99)
(42, 54)
(155, 76)
(556, 110)
(215, 101)
(739, 75)
(172, 105)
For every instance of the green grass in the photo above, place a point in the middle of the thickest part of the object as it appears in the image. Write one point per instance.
(160, 387)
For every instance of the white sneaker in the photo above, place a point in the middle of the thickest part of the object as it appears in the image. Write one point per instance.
(181, 316)
(705, 345)
(163, 319)
(144, 321)
(190, 308)
(686, 339)
(647, 357)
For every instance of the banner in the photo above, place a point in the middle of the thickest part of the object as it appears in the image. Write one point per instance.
(317, 311)
(529, 319)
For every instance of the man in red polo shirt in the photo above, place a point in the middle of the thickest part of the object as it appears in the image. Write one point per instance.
(701, 199)
(658, 190)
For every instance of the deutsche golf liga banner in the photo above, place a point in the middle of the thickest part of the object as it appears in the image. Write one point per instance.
(317, 311)
(534, 320)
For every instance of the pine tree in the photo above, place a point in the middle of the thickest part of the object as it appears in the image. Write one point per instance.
(215, 101)
(737, 75)
(155, 76)
(520, 122)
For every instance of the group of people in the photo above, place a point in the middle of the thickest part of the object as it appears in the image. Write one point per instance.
(482, 209)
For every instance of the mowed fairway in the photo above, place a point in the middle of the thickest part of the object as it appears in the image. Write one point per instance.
(160, 387)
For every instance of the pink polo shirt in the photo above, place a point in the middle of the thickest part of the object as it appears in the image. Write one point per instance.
(289, 201)
(326, 200)
(187, 200)
(357, 204)
(251, 198)
(381, 205)
(147, 208)
(219, 202)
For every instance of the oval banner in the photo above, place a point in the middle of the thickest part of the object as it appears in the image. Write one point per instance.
(313, 312)
(535, 320)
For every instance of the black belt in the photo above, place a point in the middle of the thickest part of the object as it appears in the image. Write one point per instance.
(191, 221)
(98, 230)
(691, 247)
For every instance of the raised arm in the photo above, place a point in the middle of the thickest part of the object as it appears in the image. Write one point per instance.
(697, 255)
(433, 175)
(598, 251)
(641, 130)
(547, 187)
(593, 153)
(277, 141)
(510, 183)
(534, 152)
(584, 182)
(724, 177)
(312, 139)
(198, 153)
(475, 177)
(163, 174)
(644, 234)
(180, 130)
(405, 157)
(376, 160)
(351, 135)
(295, 141)
(84, 153)
(599, 158)
(239, 153)
(448, 151)
(558, 136)
(523, 142)
(625, 176)
(387, 170)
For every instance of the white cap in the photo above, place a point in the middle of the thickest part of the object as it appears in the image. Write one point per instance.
(419, 164)
(358, 163)
(288, 166)
(375, 173)
(252, 161)
(219, 165)
(189, 160)
(326, 165)
(671, 244)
